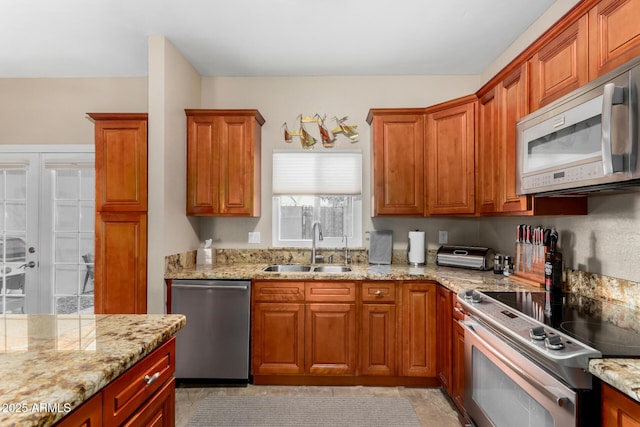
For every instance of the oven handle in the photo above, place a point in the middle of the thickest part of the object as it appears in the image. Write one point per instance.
(559, 400)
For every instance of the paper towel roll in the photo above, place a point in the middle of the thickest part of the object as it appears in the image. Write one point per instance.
(416, 252)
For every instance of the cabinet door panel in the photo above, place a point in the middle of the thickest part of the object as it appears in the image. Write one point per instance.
(278, 338)
(614, 35)
(419, 329)
(513, 106)
(457, 386)
(121, 263)
(488, 153)
(398, 163)
(451, 160)
(236, 165)
(88, 414)
(444, 314)
(378, 345)
(561, 66)
(158, 411)
(618, 409)
(202, 174)
(330, 339)
(121, 162)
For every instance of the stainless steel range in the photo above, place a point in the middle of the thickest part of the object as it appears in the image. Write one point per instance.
(527, 356)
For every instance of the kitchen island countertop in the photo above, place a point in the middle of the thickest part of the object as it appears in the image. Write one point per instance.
(50, 364)
(623, 374)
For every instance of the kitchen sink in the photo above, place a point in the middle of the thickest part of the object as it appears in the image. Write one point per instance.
(331, 269)
(297, 268)
(288, 268)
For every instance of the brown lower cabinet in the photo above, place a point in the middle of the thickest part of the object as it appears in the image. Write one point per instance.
(457, 365)
(142, 396)
(450, 348)
(343, 332)
(619, 410)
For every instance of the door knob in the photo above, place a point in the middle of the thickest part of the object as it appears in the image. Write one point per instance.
(30, 264)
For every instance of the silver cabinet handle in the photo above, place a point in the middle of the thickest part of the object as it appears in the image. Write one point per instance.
(151, 379)
(378, 292)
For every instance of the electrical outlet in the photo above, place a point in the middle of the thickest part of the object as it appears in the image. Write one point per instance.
(254, 237)
(443, 237)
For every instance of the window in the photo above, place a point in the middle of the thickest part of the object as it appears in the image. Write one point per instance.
(317, 186)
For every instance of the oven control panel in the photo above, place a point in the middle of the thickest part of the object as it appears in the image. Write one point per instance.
(526, 330)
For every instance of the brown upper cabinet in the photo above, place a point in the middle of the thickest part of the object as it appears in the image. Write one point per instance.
(450, 157)
(398, 164)
(121, 213)
(121, 161)
(614, 35)
(488, 154)
(423, 159)
(499, 110)
(223, 162)
(561, 65)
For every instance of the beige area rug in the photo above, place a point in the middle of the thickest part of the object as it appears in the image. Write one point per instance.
(281, 411)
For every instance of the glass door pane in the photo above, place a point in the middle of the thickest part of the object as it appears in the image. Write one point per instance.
(18, 210)
(72, 234)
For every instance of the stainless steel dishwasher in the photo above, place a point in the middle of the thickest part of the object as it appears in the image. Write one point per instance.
(214, 345)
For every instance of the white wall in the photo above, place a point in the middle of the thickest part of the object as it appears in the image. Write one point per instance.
(53, 111)
(173, 86)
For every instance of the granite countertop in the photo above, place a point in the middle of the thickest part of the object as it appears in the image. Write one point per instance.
(623, 374)
(50, 364)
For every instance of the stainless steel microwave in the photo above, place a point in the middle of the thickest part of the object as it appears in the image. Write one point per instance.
(586, 141)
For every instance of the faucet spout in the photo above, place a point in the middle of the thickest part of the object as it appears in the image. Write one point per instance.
(313, 239)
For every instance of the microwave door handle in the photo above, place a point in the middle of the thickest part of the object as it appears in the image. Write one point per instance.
(611, 95)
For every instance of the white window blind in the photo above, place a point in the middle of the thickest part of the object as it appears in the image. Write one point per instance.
(317, 172)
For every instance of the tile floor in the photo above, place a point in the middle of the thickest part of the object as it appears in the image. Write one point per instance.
(433, 408)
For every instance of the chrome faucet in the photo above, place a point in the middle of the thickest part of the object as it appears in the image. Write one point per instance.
(346, 250)
(313, 239)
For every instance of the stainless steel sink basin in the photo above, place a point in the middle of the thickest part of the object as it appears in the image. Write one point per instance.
(288, 268)
(331, 269)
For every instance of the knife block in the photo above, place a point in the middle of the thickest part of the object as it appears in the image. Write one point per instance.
(528, 263)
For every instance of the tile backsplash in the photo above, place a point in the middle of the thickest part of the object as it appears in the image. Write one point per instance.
(619, 291)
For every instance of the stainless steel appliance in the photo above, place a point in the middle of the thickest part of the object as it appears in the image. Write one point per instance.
(473, 257)
(214, 344)
(527, 355)
(585, 141)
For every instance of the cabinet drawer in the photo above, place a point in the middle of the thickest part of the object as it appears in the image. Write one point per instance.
(129, 391)
(271, 290)
(378, 292)
(330, 291)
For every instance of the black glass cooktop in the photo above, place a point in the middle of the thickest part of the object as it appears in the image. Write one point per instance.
(582, 318)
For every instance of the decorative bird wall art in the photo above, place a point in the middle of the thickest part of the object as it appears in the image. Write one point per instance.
(326, 136)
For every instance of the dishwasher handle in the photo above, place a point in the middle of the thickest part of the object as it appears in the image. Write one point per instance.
(211, 286)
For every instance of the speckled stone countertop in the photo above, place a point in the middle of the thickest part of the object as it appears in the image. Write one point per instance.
(623, 374)
(455, 279)
(51, 364)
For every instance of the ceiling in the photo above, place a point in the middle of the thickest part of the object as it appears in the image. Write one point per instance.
(108, 38)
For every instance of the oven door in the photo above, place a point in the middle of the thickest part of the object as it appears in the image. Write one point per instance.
(503, 388)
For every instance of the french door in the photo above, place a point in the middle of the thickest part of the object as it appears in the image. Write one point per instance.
(46, 229)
